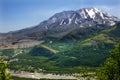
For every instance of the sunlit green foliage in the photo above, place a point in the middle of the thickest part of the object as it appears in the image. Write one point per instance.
(4, 75)
(110, 70)
(65, 55)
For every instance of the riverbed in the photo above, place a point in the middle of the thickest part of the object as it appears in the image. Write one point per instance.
(42, 75)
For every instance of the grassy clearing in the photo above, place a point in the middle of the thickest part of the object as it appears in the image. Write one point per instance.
(50, 49)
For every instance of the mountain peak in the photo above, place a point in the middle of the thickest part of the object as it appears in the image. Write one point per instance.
(91, 13)
(90, 8)
(64, 22)
(81, 16)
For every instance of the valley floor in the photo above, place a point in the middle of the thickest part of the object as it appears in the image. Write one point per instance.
(41, 75)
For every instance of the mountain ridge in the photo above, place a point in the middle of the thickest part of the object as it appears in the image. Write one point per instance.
(59, 52)
(62, 24)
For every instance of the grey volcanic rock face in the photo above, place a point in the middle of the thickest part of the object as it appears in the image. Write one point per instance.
(88, 16)
(67, 21)
(63, 23)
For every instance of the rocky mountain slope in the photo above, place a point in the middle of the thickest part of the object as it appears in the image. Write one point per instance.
(80, 22)
(65, 42)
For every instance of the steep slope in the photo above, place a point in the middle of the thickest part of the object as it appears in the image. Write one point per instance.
(66, 56)
(64, 22)
(82, 22)
(91, 50)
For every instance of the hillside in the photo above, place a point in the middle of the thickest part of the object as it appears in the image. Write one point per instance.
(65, 55)
(68, 42)
(80, 22)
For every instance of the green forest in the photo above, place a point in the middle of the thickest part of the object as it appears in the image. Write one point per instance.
(109, 70)
(68, 55)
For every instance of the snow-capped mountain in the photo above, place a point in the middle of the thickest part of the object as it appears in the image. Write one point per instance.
(88, 16)
(63, 23)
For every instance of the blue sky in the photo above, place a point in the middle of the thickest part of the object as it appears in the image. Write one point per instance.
(19, 14)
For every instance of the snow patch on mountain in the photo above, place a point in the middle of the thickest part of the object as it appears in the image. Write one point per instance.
(86, 17)
(70, 20)
(61, 22)
(91, 13)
